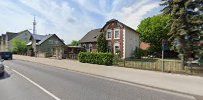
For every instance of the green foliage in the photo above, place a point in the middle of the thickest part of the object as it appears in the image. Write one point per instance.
(74, 43)
(102, 43)
(19, 46)
(96, 58)
(187, 25)
(138, 53)
(153, 30)
(116, 58)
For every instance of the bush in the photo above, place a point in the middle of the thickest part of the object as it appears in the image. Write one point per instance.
(138, 53)
(19, 46)
(96, 58)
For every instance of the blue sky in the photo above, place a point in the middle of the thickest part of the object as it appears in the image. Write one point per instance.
(72, 19)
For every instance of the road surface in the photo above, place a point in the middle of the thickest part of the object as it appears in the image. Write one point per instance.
(32, 81)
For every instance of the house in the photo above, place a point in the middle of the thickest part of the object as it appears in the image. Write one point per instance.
(39, 45)
(5, 41)
(8, 38)
(44, 45)
(89, 41)
(120, 38)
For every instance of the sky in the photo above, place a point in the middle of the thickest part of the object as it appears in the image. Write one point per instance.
(72, 19)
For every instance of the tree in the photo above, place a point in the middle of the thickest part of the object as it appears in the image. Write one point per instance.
(102, 43)
(153, 30)
(74, 43)
(186, 27)
(19, 46)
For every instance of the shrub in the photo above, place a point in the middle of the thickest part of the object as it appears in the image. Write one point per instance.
(96, 58)
(138, 53)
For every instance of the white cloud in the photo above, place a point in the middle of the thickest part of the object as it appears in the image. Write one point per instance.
(133, 14)
(62, 19)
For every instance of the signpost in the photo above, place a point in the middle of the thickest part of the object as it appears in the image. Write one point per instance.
(164, 47)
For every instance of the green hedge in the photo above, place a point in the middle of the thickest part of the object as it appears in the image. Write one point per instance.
(96, 58)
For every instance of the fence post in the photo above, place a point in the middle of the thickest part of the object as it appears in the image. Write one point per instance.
(162, 60)
(124, 62)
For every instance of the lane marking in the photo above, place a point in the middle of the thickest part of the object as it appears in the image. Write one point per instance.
(34, 83)
(6, 67)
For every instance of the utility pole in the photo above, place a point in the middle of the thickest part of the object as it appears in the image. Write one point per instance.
(34, 26)
(34, 41)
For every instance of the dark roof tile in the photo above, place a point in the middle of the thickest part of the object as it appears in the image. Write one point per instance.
(91, 36)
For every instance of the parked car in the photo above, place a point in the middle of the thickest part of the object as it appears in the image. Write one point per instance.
(1, 67)
(6, 55)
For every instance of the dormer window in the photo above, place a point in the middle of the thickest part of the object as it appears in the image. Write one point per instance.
(116, 34)
(109, 34)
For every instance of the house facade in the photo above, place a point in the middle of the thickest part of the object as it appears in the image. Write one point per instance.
(44, 45)
(6, 40)
(121, 38)
(39, 45)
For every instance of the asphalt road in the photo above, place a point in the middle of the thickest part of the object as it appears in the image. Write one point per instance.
(31, 81)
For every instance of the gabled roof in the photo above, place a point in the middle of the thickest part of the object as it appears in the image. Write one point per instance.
(47, 37)
(114, 20)
(91, 36)
(38, 37)
(3, 36)
(11, 35)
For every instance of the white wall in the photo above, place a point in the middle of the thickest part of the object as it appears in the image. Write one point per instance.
(132, 41)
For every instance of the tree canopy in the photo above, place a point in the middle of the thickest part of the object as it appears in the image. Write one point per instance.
(74, 43)
(102, 44)
(187, 25)
(153, 30)
(19, 46)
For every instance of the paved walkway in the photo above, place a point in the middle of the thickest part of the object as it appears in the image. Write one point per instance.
(174, 82)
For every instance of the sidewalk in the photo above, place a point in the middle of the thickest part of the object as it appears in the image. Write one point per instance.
(174, 82)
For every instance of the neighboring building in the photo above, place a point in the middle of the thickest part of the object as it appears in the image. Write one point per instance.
(44, 45)
(89, 41)
(5, 41)
(39, 45)
(120, 38)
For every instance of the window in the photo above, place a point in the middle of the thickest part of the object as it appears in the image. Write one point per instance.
(116, 47)
(51, 41)
(116, 34)
(90, 47)
(56, 42)
(109, 34)
(84, 46)
(109, 48)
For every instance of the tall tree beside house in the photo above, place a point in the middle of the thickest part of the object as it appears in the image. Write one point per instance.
(102, 43)
(19, 46)
(153, 30)
(187, 26)
(74, 43)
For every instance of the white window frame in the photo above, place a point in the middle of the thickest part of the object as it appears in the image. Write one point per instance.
(116, 44)
(108, 34)
(118, 33)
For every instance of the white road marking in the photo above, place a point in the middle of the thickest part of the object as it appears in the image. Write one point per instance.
(6, 67)
(34, 83)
